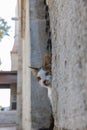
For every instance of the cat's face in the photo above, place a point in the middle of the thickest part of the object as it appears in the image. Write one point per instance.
(44, 77)
(43, 74)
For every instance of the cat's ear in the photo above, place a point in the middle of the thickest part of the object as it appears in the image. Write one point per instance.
(34, 70)
(47, 60)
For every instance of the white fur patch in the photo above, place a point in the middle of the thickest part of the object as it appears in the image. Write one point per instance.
(42, 74)
(50, 94)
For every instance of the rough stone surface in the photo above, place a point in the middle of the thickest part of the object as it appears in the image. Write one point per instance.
(69, 35)
(14, 52)
(13, 97)
(8, 128)
(8, 118)
(40, 106)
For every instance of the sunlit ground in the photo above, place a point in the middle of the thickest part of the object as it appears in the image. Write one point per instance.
(7, 11)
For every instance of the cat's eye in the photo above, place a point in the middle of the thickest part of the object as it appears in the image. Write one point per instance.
(47, 73)
(38, 78)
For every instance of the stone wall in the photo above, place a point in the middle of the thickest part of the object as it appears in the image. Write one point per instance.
(40, 106)
(69, 36)
(13, 100)
(69, 65)
(14, 52)
(33, 106)
(7, 118)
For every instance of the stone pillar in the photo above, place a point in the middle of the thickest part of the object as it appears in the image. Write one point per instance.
(26, 86)
(19, 73)
(69, 65)
(40, 106)
(13, 96)
(14, 52)
(33, 103)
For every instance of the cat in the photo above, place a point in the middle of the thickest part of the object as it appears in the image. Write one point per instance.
(44, 75)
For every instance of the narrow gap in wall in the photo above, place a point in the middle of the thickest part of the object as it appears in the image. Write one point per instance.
(49, 48)
(47, 28)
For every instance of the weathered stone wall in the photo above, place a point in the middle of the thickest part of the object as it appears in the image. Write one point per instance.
(40, 106)
(20, 72)
(14, 52)
(13, 100)
(69, 36)
(8, 118)
(33, 107)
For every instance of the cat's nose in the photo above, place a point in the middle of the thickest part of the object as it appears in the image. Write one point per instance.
(46, 82)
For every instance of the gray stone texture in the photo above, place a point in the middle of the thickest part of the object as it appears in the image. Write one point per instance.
(13, 95)
(7, 118)
(69, 36)
(40, 105)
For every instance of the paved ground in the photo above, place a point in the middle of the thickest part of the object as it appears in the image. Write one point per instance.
(8, 128)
